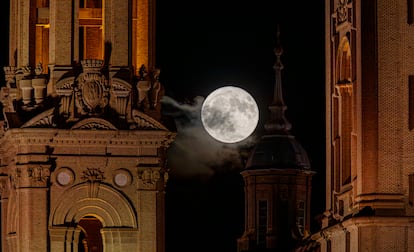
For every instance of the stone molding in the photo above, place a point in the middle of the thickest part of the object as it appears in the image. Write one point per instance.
(112, 207)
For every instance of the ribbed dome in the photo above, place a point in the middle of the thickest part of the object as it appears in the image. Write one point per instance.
(278, 152)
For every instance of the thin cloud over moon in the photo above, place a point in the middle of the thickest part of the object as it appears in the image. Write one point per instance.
(194, 152)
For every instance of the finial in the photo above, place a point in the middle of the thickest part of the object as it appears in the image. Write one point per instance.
(278, 122)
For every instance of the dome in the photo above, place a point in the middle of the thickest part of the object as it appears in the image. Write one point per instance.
(278, 152)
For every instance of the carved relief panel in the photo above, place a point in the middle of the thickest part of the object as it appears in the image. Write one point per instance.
(91, 89)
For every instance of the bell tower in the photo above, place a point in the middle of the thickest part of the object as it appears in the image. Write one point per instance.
(277, 182)
(82, 142)
(369, 122)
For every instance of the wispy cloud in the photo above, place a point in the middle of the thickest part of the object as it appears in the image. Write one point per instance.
(195, 152)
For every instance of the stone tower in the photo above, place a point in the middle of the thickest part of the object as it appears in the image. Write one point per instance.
(277, 183)
(369, 122)
(82, 144)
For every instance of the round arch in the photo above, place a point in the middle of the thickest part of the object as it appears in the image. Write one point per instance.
(343, 62)
(109, 206)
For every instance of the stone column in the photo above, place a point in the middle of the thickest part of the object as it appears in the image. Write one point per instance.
(151, 34)
(117, 31)
(39, 86)
(60, 41)
(25, 27)
(148, 186)
(26, 90)
(4, 192)
(75, 242)
(60, 35)
(120, 239)
(148, 221)
(57, 238)
(13, 31)
(141, 24)
(32, 200)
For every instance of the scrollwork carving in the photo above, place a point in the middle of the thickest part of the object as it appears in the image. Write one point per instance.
(44, 119)
(143, 121)
(93, 175)
(94, 123)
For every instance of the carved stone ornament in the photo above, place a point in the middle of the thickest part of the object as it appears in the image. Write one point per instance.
(32, 176)
(44, 119)
(8, 93)
(92, 89)
(94, 123)
(10, 74)
(148, 177)
(4, 185)
(7, 96)
(343, 13)
(24, 70)
(120, 92)
(144, 121)
(93, 175)
(149, 88)
(64, 88)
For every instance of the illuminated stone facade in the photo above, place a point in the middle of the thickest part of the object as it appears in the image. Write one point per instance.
(82, 144)
(370, 115)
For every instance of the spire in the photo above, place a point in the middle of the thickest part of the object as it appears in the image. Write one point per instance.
(278, 122)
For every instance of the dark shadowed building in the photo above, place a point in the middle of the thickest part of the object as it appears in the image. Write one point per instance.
(277, 182)
(369, 126)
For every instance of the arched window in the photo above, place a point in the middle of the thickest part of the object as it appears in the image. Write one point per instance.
(342, 116)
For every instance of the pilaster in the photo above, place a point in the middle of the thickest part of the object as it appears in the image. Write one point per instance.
(31, 182)
(4, 193)
(117, 31)
(60, 40)
(150, 181)
(25, 32)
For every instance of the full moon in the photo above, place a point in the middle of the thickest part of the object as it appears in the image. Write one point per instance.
(229, 114)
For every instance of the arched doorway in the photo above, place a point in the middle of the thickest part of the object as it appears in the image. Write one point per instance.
(110, 210)
(90, 239)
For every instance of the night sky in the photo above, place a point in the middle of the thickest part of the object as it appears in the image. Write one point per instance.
(203, 45)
